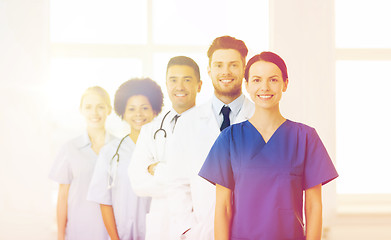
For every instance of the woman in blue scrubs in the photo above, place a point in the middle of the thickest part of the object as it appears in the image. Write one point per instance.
(262, 166)
(137, 102)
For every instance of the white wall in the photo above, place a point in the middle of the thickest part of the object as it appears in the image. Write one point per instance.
(25, 196)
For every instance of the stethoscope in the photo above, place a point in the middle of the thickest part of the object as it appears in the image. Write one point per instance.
(113, 165)
(160, 142)
(161, 127)
(112, 170)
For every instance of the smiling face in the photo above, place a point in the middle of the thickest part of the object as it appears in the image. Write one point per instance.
(226, 71)
(95, 110)
(182, 86)
(265, 84)
(138, 111)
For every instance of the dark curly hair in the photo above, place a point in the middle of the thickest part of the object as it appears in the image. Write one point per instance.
(138, 86)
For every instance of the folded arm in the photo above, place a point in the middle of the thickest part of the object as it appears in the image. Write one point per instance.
(145, 154)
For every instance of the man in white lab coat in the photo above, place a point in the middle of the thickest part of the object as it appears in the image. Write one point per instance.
(227, 60)
(157, 168)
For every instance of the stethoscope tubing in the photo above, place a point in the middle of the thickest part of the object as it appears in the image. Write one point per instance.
(119, 145)
(113, 175)
(161, 127)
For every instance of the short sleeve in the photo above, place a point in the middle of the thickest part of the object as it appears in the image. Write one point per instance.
(98, 191)
(319, 169)
(217, 167)
(61, 171)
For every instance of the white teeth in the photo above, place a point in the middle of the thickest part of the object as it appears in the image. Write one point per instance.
(180, 95)
(265, 96)
(226, 80)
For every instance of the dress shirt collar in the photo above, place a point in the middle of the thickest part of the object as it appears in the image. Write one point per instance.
(235, 105)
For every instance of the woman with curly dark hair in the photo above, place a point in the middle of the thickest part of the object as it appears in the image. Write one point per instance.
(137, 102)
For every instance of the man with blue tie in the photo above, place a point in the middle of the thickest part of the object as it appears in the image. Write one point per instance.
(227, 61)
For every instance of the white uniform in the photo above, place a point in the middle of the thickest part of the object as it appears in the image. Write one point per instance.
(203, 133)
(171, 208)
(129, 209)
(74, 165)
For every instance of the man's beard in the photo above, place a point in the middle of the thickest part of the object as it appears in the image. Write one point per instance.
(233, 92)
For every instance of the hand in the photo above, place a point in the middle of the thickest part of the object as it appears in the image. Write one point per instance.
(151, 168)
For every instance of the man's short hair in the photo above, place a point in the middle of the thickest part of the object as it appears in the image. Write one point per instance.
(186, 61)
(228, 42)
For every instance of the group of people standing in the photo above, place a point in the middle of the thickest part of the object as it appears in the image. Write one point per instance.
(155, 182)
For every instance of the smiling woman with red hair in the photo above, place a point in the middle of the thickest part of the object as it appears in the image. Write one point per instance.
(262, 166)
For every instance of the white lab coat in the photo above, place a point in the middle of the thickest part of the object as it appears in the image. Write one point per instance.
(204, 130)
(171, 207)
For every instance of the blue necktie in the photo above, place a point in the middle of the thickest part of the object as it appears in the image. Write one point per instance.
(225, 111)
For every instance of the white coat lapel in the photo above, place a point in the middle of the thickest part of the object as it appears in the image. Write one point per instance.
(162, 143)
(208, 120)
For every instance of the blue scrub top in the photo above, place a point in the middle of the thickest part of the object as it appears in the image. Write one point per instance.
(268, 179)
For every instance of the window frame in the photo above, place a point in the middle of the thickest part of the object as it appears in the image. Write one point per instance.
(363, 204)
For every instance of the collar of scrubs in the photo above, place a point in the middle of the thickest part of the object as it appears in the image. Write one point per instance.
(127, 144)
(86, 142)
(235, 107)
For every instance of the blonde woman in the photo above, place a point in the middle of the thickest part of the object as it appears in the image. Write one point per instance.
(78, 218)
